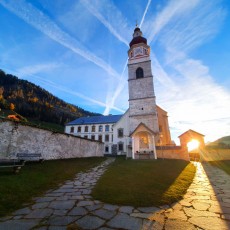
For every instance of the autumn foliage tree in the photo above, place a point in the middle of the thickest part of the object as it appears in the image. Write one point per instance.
(12, 106)
(32, 101)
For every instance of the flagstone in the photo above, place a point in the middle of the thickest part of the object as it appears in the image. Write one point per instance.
(193, 212)
(90, 222)
(212, 223)
(124, 221)
(176, 215)
(103, 213)
(178, 225)
(200, 205)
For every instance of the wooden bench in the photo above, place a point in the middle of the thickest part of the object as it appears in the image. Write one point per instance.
(30, 157)
(11, 163)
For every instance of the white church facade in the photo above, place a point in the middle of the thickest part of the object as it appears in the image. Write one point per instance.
(144, 125)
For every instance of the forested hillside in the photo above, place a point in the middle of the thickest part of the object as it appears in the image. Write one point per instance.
(32, 101)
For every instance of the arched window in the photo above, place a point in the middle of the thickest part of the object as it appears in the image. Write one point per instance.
(72, 129)
(86, 129)
(139, 73)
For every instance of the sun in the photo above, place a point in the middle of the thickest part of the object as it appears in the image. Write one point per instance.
(193, 144)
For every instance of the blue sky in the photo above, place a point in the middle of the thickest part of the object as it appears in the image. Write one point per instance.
(77, 50)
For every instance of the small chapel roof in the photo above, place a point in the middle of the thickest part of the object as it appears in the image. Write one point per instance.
(191, 132)
(96, 120)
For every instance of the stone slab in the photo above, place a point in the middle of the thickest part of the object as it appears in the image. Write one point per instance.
(61, 220)
(104, 214)
(126, 209)
(212, 223)
(90, 222)
(179, 225)
(148, 209)
(39, 214)
(124, 221)
(65, 204)
(18, 224)
(78, 211)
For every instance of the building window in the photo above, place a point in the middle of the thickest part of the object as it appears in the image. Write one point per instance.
(79, 129)
(93, 128)
(72, 129)
(86, 129)
(106, 149)
(120, 133)
(100, 138)
(120, 146)
(139, 73)
(93, 137)
(86, 136)
(107, 138)
(100, 129)
(107, 128)
(112, 138)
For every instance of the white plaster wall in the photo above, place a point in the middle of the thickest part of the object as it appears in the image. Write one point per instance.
(16, 138)
(124, 124)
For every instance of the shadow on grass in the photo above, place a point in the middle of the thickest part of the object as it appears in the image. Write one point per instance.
(144, 183)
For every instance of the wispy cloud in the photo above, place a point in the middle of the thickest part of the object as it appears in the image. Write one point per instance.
(184, 34)
(171, 10)
(117, 24)
(184, 85)
(34, 69)
(41, 22)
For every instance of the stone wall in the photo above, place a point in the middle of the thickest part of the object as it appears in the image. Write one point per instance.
(172, 153)
(16, 138)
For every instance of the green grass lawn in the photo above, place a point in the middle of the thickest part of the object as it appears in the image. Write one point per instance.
(224, 165)
(144, 183)
(35, 178)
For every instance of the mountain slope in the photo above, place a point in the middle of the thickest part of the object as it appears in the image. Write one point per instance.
(31, 101)
(221, 142)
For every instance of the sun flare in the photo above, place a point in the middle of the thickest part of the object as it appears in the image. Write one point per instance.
(193, 144)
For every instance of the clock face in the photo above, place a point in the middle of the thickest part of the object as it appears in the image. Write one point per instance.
(138, 51)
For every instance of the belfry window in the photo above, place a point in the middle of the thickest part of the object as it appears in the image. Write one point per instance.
(139, 73)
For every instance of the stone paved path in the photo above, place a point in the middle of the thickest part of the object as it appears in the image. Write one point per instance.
(206, 205)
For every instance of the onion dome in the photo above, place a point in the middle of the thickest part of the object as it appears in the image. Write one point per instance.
(137, 37)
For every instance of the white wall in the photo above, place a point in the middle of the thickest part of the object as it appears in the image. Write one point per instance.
(124, 124)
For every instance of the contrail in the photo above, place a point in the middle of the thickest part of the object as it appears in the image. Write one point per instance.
(41, 22)
(146, 9)
(64, 89)
(101, 18)
(121, 84)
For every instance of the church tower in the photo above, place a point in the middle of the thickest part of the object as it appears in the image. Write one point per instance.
(143, 120)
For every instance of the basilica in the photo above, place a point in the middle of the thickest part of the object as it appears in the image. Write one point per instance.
(144, 126)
